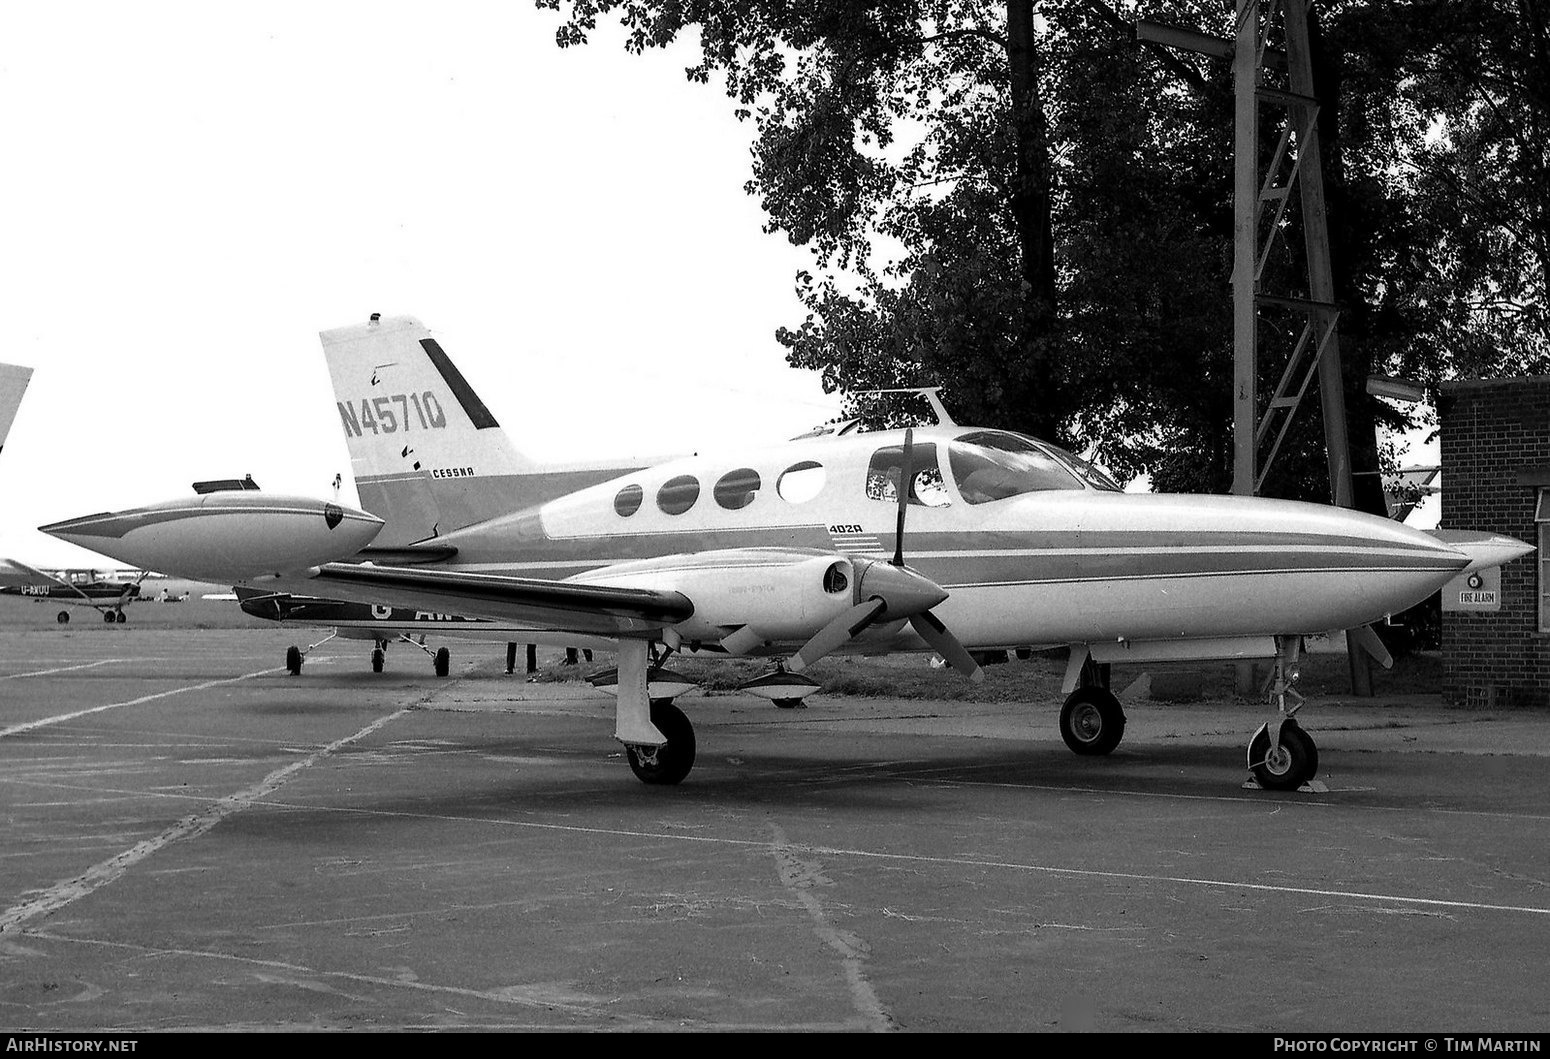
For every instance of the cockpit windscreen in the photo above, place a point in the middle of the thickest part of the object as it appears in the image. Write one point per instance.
(994, 465)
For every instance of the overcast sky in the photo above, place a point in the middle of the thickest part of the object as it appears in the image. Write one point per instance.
(192, 191)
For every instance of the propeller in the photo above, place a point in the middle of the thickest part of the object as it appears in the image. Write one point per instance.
(890, 592)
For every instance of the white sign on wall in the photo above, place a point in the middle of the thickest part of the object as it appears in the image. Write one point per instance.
(1478, 590)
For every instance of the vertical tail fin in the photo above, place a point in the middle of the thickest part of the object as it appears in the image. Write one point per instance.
(427, 453)
(13, 383)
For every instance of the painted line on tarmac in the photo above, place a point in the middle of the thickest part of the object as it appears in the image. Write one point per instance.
(963, 862)
(43, 722)
(62, 669)
(99, 875)
(801, 878)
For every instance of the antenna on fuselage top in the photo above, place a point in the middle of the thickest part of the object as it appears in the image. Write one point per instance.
(933, 396)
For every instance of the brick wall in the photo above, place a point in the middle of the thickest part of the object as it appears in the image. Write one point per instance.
(1495, 456)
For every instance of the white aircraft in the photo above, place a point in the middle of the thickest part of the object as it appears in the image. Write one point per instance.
(793, 551)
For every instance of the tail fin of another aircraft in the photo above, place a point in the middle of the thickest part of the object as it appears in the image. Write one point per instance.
(428, 455)
(13, 383)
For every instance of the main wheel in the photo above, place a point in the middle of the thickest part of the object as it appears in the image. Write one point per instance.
(675, 758)
(1091, 721)
(1294, 762)
(121, 617)
(378, 657)
(443, 662)
(293, 660)
(63, 617)
(107, 617)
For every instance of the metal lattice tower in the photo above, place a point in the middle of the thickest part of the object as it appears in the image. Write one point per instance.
(1269, 78)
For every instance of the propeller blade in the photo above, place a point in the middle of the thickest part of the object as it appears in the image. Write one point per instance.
(931, 630)
(742, 641)
(1366, 637)
(836, 634)
(905, 472)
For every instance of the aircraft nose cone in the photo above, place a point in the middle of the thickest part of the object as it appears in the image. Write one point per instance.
(904, 591)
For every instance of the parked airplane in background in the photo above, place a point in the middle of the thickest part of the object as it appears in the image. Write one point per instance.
(945, 539)
(365, 621)
(76, 588)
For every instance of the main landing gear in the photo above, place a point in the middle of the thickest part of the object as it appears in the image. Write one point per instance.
(658, 739)
(1283, 757)
(441, 658)
(1092, 722)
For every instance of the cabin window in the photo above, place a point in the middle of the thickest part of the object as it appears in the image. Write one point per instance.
(735, 489)
(801, 482)
(678, 495)
(627, 502)
(992, 466)
(926, 486)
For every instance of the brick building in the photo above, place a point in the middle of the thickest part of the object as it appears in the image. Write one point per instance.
(1496, 476)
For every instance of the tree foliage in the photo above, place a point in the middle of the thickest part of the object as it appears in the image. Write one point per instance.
(1015, 201)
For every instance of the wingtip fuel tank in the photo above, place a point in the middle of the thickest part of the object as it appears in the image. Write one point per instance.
(225, 536)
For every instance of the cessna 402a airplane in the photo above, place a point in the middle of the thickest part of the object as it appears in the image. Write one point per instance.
(944, 538)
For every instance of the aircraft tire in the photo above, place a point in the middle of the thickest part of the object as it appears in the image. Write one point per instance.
(1092, 722)
(787, 704)
(443, 662)
(293, 660)
(1296, 763)
(107, 617)
(121, 617)
(378, 659)
(676, 758)
(63, 617)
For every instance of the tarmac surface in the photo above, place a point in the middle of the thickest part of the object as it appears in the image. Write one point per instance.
(196, 840)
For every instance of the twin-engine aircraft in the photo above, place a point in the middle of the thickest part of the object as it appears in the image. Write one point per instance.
(945, 539)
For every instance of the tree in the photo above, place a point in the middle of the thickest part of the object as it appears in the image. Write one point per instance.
(1016, 202)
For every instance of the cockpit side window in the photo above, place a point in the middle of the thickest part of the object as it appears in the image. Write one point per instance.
(992, 466)
(926, 486)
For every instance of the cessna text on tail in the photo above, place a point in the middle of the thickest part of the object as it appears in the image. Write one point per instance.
(947, 539)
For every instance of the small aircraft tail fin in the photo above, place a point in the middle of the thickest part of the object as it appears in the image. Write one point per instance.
(428, 455)
(13, 383)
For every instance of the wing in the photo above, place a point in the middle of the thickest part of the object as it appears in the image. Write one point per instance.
(15, 575)
(557, 605)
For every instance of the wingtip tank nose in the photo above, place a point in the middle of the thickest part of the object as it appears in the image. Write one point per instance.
(1483, 549)
(225, 537)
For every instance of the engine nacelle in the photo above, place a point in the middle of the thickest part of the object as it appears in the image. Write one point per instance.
(779, 594)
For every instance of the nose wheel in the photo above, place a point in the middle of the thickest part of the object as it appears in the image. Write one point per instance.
(1289, 764)
(1283, 757)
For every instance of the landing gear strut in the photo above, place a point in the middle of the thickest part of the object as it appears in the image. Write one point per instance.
(658, 739)
(1283, 757)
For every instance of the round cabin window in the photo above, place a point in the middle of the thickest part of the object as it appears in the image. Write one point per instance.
(801, 482)
(678, 495)
(736, 489)
(628, 500)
